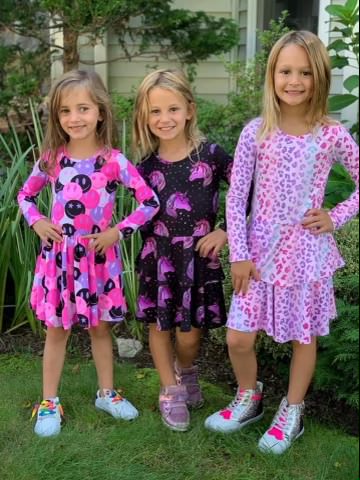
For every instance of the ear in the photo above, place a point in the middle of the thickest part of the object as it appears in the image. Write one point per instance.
(191, 111)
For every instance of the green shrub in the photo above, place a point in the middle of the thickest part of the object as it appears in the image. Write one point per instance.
(338, 364)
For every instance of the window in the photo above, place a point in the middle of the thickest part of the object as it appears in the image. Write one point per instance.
(304, 14)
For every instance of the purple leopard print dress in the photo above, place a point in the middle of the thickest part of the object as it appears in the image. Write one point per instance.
(72, 284)
(294, 299)
(178, 288)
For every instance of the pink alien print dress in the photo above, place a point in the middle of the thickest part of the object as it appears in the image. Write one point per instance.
(294, 299)
(72, 284)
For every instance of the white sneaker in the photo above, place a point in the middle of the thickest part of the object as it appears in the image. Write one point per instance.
(246, 408)
(49, 415)
(114, 404)
(285, 428)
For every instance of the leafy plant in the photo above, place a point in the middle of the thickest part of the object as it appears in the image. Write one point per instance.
(346, 52)
(338, 364)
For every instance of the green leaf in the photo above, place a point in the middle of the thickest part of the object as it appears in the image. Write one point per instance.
(338, 102)
(339, 62)
(351, 83)
(351, 5)
(338, 45)
(338, 10)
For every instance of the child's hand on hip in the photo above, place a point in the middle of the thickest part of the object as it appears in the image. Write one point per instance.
(212, 243)
(241, 273)
(48, 231)
(100, 242)
(318, 221)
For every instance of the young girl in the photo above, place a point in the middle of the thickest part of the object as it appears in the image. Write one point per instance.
(284, 260)
(78, 272)
(180, 273)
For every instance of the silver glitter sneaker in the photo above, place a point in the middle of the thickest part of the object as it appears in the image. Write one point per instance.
(285, 428)
(247, 407)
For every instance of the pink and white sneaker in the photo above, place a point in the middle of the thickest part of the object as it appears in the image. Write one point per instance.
(286, 427)
(246, 408)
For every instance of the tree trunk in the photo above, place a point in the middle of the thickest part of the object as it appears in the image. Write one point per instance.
(71, 54)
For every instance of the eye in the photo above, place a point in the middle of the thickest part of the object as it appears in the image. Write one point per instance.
(307, 73)
(155, 111)
(83, 109)
(174, 109)
(63, 111)
(285, 72)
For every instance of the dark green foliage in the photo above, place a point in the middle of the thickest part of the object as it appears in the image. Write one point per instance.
(345, 52)
(338, 365)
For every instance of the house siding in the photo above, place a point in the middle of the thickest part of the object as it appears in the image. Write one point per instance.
(212, 80)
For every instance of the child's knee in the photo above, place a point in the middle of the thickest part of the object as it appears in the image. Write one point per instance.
(187, 340)
(240, 342)
(100, 331)
(57, 335)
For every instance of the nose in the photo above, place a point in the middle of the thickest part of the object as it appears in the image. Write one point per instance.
(294, 79)
(73, 116)
(164, 117)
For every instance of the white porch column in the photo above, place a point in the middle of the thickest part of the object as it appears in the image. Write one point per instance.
(56, 38)
(251, 29)
(101, 55)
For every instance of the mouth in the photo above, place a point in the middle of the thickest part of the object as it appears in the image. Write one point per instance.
(166, 129)
(294, 92)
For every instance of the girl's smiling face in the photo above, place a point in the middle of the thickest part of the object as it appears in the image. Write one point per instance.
(78, 114)
(293, 77)
(168, 114)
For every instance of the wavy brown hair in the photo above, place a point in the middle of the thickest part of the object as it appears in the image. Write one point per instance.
(55, 136)
(321, 70)
(144, 141)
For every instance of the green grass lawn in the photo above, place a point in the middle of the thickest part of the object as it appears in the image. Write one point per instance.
(93, 446)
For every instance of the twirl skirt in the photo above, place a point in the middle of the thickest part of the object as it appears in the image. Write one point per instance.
(178, 288)
(285, 313)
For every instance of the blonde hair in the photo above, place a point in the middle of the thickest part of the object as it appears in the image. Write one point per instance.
(144, 141)
(320, 66)
(55, 136)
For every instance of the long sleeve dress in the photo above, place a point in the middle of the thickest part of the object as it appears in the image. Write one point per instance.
(294, 299)
(72, 284)
(178, 288)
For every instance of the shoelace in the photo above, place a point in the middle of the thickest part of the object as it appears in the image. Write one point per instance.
(46, 407)
(116, 396)
(281, 420)
(242, 396)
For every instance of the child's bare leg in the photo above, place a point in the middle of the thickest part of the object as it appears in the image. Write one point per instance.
(101, 346)
(163, 355)
(242, 354)
(53, 360)
(301, 370)
(187, 347)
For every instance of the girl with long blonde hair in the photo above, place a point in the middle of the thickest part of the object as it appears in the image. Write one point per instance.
(284, 258)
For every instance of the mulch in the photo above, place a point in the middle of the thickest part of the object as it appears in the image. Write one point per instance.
(214, 367)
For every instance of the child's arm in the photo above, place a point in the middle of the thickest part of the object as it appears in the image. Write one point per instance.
(237, 197)
(242, 268)
(319, 220)
(145, 196)
(214, 242)
(27, 197)
(347, 153)
(127, 174)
